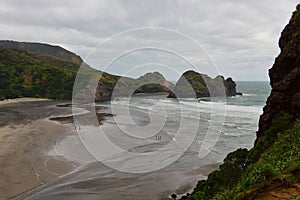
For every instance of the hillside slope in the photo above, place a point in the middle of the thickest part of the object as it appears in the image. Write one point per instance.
(43, 70)
(56, 52)
(30, 74)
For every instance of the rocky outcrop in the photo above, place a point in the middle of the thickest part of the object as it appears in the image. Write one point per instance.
(230, 88)
(284, 77)
(258, 173)
(153, 82)
(111, 86)
(43, 70)
(195, 85)
(190, 85)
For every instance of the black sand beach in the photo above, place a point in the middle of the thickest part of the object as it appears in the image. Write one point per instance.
(26, 135)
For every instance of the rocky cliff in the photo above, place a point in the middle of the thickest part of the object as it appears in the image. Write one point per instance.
(195, 85)
(284, 77)
(115, 86)
(153, 82)
(41, 70)
(271, 169)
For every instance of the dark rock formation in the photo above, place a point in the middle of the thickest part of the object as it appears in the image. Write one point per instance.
(36, 61)
(284, 76)
(195, 85)
(277, 139)
(111, 86)
(190, 84)
(230, 87)
(153, 82)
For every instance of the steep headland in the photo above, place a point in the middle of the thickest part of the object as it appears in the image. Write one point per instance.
(284, 77)
(271, 169)
(156, 83)
(34, 74)
(43, 70)
(111, 86)
(193, 84)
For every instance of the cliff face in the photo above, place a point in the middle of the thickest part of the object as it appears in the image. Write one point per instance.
(193, 84)
(110, 86)
(284, 77)
(271, 169)
(153, 82)
(230, 88)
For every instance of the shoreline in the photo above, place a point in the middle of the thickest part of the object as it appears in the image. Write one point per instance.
(151, 94)
(27, 165)
(21, 100)
(25, 140)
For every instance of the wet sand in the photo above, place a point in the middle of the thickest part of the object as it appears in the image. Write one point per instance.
(96, 181)
(26, 135)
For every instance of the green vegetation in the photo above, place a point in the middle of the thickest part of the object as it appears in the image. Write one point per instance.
(151, 88)
(275, 157)
(56, 52)
(297, 198)
(42, 70)
(195, 85)
(152, 83)
(279, 124)
(29, 74)
(125, 86)
(191, 84)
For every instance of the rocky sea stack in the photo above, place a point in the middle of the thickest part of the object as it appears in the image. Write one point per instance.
(153, 82)
(110, 87)
(195, 85)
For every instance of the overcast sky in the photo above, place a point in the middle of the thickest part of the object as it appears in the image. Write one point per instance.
(236, 38)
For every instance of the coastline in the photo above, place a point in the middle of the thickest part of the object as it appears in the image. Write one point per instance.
(151, 94)
(28, 134)
(25, 140)
(21, 100)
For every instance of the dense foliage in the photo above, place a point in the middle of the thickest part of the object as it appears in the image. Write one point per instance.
(29, 74)
(152, 83)
(42, 70)
(196, 85)
(191, 84)
(275, 157)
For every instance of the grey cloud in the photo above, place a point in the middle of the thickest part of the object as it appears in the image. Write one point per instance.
(240, 36)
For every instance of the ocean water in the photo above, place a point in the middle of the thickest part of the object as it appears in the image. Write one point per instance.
(153, 146)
